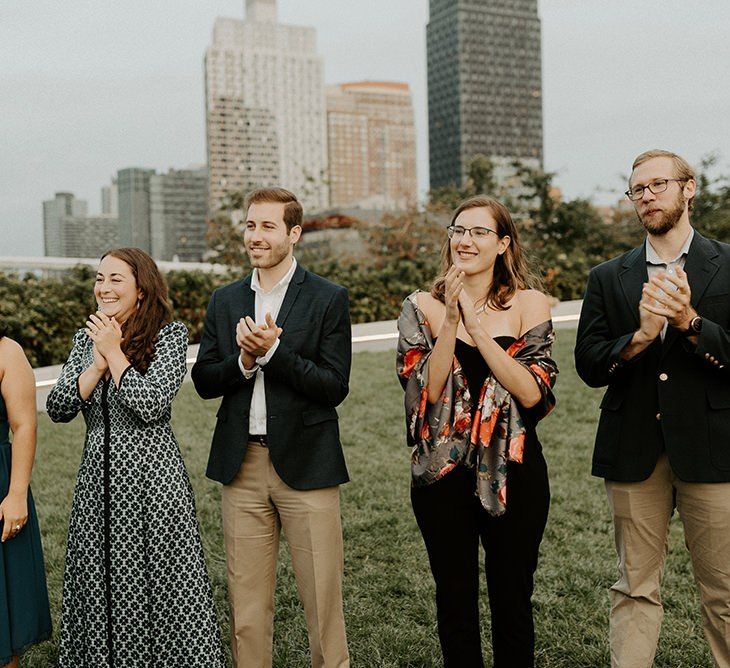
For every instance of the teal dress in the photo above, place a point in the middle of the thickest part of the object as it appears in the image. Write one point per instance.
(25, 618)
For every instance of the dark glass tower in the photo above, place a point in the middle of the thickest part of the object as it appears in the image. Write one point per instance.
(484, 85)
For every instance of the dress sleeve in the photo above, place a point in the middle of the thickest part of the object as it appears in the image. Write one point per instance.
(64, 400)
(149, 395)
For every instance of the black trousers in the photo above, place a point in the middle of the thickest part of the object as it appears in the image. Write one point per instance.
(452, 522)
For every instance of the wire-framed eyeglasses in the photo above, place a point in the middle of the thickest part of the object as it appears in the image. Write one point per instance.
(457, 232)
(655, 187)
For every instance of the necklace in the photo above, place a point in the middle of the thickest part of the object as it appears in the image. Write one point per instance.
(481, 309)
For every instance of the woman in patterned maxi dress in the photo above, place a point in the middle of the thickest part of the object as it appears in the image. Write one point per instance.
(136, 591)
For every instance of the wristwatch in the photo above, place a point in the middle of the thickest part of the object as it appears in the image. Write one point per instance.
(695, 326)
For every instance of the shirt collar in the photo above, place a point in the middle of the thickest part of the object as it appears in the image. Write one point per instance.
(281, 285)
(652, 257)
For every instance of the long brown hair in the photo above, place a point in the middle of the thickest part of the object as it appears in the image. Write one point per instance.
(512, 270)
(153, 309)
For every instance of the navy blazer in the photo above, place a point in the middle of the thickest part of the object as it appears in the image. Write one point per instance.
(673, 396)
(305, 379)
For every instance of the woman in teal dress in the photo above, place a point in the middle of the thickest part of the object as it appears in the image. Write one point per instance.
(25, 618)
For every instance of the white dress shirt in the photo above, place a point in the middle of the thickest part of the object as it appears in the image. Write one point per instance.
(265, 302)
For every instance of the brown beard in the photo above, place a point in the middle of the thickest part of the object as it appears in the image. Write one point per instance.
(278, 254)
(666, 220)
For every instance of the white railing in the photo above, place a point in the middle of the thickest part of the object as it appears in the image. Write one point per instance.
(368, 338)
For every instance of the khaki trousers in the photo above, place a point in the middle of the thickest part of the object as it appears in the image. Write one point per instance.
(641, 514)
(257, 505)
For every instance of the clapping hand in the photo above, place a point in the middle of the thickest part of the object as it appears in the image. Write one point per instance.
(668, 296)
(106, 333)
(454, 288)
(256, 340)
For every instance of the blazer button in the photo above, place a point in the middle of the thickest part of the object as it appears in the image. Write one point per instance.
(707, 356)
(658, 416)
(663, 376)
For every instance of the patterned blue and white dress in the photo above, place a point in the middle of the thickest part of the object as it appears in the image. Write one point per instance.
(136, 590)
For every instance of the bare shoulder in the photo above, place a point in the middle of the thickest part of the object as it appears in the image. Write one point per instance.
(11, 352)
(534, 308)
(12, 356)
(429, 304)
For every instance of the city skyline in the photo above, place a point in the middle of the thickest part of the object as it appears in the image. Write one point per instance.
(109, 86)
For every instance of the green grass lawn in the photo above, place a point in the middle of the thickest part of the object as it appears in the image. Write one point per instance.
(389, 604)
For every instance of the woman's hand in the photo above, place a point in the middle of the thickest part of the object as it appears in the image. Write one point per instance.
(454, 288)
(106, 333)
(100, 364)
(468, 312)
(14, 514)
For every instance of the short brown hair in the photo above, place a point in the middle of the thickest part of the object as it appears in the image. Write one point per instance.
(683, 171)
(293, 212)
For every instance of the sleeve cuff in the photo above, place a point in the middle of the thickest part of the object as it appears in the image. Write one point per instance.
(262, 361)
(247, 373)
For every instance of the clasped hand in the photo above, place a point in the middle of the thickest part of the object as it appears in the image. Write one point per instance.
(668, 297)
(459, 305)
(106, 333)
(256, 340)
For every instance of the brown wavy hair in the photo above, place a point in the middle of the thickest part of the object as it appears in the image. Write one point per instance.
(153, 309)
(512, 270)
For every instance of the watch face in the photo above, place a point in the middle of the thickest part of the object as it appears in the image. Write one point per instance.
(696, 324)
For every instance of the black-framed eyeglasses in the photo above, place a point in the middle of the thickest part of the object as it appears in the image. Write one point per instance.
(655, 187)
(457, 232)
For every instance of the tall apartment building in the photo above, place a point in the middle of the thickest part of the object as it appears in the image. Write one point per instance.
(55, 211)
(371, 145)
(265, 108)
(178, 205)
(133, 186)
(484, 85)
(90, 236)
(110, 199)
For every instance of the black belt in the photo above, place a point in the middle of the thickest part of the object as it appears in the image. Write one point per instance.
(258, 438)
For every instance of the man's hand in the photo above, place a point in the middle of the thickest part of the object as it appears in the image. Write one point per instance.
(669, 296)
(650, 324)
(254, 340)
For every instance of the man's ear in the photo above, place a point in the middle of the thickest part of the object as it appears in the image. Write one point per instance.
(690, 189)
(295, 233)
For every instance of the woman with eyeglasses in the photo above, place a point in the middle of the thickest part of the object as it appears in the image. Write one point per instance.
(25, 618)
(135, 588)
(474, 358)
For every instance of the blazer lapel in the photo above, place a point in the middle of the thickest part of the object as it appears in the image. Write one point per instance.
(632, 278)
(242, 302)
(700, 267)
(291, 294)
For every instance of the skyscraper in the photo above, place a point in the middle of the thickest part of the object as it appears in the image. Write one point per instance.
(178, 202)
(55, 212)
(133, 186)
(371, 145)
(484, 85)
(110, 199)
(265, 109)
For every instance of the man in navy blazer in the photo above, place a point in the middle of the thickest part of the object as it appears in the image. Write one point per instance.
(277, 348)
(655, 328)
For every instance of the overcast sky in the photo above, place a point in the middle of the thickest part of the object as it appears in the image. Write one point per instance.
(90, 87)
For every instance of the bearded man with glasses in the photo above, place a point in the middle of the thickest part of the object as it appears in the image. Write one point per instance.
(654, 328)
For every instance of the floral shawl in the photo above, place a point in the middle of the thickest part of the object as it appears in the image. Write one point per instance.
(444, 434)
